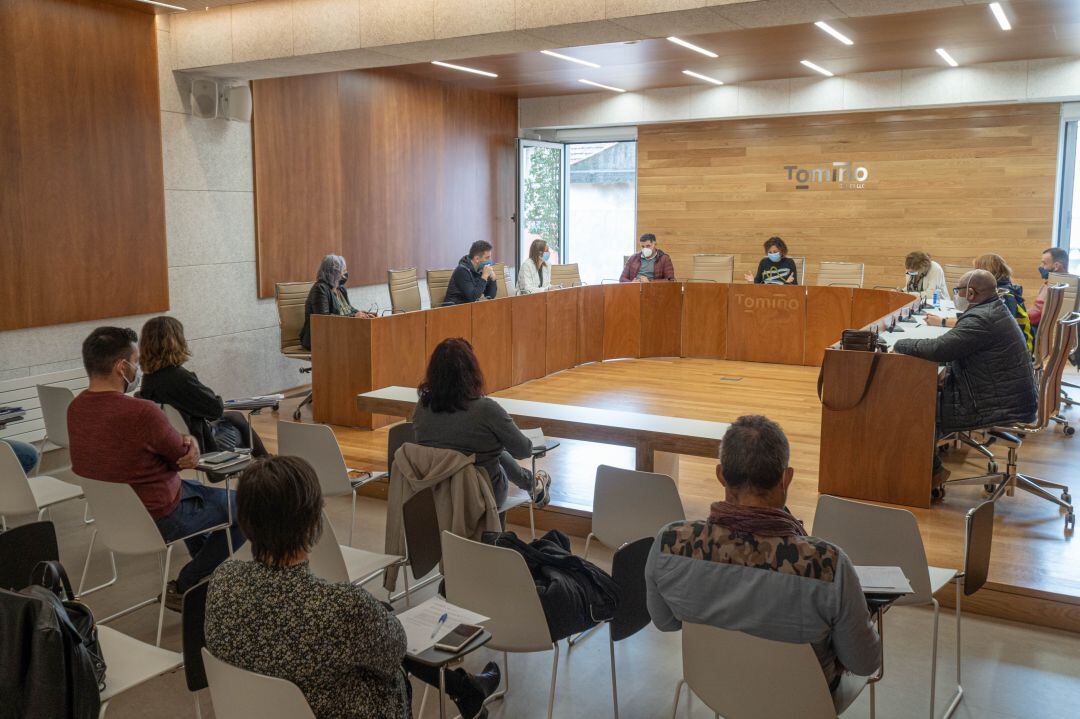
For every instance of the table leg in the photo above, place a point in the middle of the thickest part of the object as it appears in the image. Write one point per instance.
(643, 457)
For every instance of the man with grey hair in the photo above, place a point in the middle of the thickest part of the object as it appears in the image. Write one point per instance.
(328, 295)
(751, 567)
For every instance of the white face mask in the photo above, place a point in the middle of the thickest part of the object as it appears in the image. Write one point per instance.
(646, 252)
(130, 385)
(961, 300)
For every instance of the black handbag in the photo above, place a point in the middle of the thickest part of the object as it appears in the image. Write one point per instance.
(75, 617)
(862, 341)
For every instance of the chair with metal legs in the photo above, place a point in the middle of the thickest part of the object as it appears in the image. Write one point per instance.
(22, 496)
(632, 614)
(22, 548)
(240, 694)
(131, 663)
(126, 528)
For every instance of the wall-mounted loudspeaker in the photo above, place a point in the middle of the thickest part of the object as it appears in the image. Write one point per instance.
(211, 99)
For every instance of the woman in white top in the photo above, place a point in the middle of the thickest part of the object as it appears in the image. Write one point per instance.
(925, 276)
(535, 272)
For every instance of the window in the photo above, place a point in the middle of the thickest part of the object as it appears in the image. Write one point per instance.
(601, 207)
(540, 196)
(1068, 220)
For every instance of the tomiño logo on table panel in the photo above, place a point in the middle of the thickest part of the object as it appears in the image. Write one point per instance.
(838, 175)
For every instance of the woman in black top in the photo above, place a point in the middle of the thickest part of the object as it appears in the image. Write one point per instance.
(775, 268)
(328, 296)
(162, 352)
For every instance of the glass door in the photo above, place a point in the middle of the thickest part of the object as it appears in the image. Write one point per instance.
(601, 207)
(541, 185)
(1069, 201)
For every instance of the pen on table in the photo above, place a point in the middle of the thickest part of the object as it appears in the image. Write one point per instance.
(438, 624)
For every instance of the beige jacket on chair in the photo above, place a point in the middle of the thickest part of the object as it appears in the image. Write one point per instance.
(464, 502)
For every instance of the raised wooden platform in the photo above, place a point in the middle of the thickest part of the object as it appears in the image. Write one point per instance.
(1034, 575)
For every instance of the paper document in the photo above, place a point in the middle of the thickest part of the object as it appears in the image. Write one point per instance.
(537, 437)
(883, 580)
(420, 621)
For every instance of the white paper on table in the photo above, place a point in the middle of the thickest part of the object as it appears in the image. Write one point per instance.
(537, 437)
(887, 580)
(422, 619)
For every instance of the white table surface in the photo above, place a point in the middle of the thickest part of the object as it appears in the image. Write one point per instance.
(585, 415)
(914, 331)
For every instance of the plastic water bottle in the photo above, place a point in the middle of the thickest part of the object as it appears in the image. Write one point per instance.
(933, 302)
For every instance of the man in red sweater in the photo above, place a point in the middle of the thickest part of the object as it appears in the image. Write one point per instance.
(118, 438)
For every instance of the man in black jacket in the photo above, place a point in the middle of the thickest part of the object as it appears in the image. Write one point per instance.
(989, 379)
(473, 278)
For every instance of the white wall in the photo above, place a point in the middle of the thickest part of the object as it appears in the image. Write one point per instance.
(210, 228)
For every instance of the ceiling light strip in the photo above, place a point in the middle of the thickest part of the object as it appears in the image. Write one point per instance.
(699, 76)
(816, 68)
(473, 70)
(597, 84)
(559, 55)
(692, 46)
(999, 15)
(947, 57)
(164, 5)
(834, 32)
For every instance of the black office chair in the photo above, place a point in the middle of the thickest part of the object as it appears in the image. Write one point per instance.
(193, 621)
(423, 546)
(399, 434)
(21, 549)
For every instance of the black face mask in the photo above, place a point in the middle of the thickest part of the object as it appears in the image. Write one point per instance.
(344, 279)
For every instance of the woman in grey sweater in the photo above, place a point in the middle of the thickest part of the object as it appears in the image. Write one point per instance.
(453, 413)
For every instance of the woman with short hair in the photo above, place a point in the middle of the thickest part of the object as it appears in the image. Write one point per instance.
(343, 648)
(775, 268)
(925, 277)
(534, 274)
(453, 413)
(328, 296)
(1011, 294)
(163, 350)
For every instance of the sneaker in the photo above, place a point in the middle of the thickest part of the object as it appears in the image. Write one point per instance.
(541, 495)
(174, 600)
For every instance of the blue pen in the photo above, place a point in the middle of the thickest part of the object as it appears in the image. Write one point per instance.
(438, 625)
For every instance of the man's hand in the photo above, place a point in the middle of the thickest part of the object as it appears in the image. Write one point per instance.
(642, 278)
(488, 272)
(934, 320)
(191, 459)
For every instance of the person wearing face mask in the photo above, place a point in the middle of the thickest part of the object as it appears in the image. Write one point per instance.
(651, 264)
(775, 268)
(328, 296)
(114, 437)
(989, 379)
(535, 272)
(924, 276)
(1054, 259)
(474, 277)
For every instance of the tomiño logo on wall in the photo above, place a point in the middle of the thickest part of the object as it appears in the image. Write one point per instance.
(839, 175)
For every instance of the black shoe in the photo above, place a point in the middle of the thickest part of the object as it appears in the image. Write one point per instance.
(174, 600)
(473, 689)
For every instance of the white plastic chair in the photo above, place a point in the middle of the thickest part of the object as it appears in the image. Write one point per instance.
(317, 445)
(629, 505)
(54, 401)
(130, 663)
(735, 674)
(495, 582)
(887, 537)
(126, 528)
(240, 694)
(22, 496)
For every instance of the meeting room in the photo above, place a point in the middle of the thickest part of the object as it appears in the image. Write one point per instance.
(533, 359)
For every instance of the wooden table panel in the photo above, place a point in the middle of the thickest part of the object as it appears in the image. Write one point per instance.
(444, 322)
(491, 341)
(562, 329)
(704, 319)
(828, 314)
(341, 368)
(622, 320)
(590, 323)
(878, 448)
(395, 359)
(528, 337)
(661, 319)
(766, 323)
(870, 305)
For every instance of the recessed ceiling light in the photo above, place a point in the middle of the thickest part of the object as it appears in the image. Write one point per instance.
(947, 57)
(606, 87)
(559, 55)
(834, 32)
(999, 15)
(692, 46)
(816, 68)
(699, 76)
(473, 70)
(165, 5)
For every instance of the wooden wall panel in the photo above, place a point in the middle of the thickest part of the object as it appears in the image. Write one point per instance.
(766, 323)
(661, 319)
(528, 337)
(590, 323)
(704, 321)
(444, 322)
(420, 170)
(561, 351)
(955, 182)
(828, 314)
(491, 341)
(81, 185)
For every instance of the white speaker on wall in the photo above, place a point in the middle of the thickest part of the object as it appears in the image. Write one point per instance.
(204, 98)
(212, 99)
(234, 103)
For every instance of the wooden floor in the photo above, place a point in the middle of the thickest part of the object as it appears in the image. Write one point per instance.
(1035, 568)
